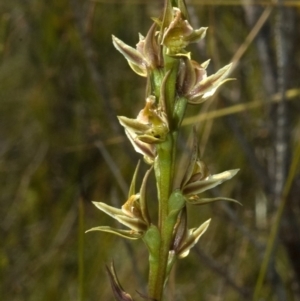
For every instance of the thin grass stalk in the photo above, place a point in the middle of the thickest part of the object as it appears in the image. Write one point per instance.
(81, 250)
(274, 231)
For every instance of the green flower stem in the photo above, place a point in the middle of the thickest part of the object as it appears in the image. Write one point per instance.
(164, 166)
(152, 240)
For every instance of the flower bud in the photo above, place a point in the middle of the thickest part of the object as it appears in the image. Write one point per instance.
(180, 33)
(150, 126)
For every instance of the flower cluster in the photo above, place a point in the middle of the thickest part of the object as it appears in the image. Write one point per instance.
(174, 80)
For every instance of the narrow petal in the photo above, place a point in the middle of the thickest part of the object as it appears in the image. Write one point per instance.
(109, 210)
(135, 224)
(133, 181)
(180, 230)
(193, 158)
(182, 6)
(191, 239)
(123, 233)
(147, 150)
(143, 202)
(167, 19)
(129, 52)
(197, 35)
(133, 124)
(151, 49)
(205, 64)
(211, 92)
(190, 77)
(205, 201)
(209, 85)
(210, 182)
(138, 69)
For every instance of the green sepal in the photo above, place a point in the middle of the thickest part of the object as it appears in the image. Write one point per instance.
(176, 202)
(179, 110)
(129, 234)
(205, 201)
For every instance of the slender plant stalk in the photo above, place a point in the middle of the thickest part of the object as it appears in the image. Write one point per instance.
(273, 235)
(81, 250)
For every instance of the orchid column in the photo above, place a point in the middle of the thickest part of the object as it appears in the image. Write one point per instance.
(174, 80)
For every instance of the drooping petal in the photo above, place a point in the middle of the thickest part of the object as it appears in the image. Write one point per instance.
(147, 150)
(135, 58)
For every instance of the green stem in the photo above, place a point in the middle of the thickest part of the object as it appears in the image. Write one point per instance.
(164, 168)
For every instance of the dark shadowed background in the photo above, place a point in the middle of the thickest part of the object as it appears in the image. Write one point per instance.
(61, 86)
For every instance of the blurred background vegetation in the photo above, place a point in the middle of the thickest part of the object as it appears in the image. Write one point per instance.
(61, 86)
